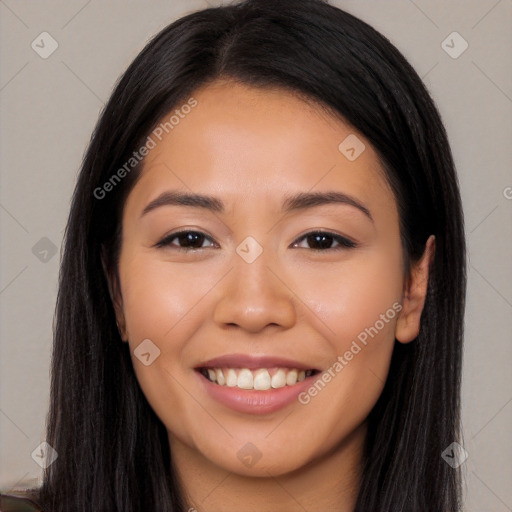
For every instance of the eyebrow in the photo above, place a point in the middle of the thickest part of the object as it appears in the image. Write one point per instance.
(299, 201)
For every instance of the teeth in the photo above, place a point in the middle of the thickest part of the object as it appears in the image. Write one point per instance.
(231, 378)
(279, 379)
(245, 379)
(220, 377)
(291, 378)
(261, 379)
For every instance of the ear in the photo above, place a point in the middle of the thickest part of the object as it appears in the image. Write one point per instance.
(415, 292)
(115, 296)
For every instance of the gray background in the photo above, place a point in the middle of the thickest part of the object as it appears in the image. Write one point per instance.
(49, 108)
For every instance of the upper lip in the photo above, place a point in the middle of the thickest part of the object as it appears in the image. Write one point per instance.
(253, 362)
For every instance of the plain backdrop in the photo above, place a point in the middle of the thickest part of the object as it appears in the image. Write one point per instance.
(49, 107)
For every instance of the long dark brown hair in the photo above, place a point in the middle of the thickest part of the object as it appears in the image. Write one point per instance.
(113, 450)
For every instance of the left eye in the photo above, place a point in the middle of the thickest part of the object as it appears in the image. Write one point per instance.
(187, 240)
(324, 239)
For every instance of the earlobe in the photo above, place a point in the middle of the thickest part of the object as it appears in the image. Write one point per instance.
(415, 293)
(116, 298)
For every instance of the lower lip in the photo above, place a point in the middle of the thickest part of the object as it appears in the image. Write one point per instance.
(254, 402)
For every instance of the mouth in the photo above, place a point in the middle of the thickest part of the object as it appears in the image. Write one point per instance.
(257, 379)
(254, 384)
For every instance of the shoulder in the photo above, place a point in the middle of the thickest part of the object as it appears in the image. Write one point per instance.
(18, 501)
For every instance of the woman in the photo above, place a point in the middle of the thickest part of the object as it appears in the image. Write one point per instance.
(262, 290)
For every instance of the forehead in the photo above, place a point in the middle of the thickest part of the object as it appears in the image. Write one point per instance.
(247, 143)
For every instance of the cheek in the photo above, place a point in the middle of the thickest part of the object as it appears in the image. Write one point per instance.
(154, 298)
(358, 306)
(349, 299)
(159, 307)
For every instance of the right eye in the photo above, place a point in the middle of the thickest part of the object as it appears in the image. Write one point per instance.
(188, 240)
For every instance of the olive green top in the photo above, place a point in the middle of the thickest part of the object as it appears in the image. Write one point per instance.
(17, 503)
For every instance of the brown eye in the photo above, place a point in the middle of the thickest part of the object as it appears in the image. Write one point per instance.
(186, 240)
(323, 240)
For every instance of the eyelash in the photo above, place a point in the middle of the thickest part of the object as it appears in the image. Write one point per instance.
(344, 243)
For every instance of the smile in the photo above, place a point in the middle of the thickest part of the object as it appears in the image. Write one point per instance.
(260, 379)
(255, 384)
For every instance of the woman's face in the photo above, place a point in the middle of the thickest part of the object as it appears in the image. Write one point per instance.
(251, 295)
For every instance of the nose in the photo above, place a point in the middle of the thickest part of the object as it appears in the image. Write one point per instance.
(255, 295)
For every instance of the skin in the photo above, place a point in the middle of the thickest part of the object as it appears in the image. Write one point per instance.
(252, 147)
